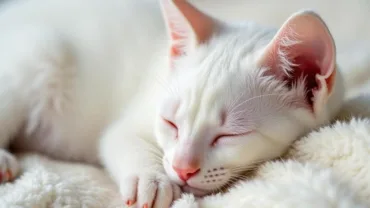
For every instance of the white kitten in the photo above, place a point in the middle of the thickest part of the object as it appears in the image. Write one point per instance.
(192, 112)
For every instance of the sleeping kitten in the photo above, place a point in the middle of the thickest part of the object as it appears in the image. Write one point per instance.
(181, 103)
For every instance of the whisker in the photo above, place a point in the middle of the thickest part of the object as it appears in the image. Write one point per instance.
(155, 155)
(234, 101)
(254, 163)
(233, 180)
(155, 152)
(239, 121)
(255, 97)
(217, 190)
(241, 169)
(172, 89)
(249, 167)
(238, 179)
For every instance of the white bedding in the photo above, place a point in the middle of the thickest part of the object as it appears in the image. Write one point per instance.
(329, 167)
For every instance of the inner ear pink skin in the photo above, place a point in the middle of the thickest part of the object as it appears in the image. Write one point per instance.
(188, 26)
(303, 47)
(201, 24)
(309, 69)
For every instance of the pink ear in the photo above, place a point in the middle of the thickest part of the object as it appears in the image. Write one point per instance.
(304, 47)
(187, 25)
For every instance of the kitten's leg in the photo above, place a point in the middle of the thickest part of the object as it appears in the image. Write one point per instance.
(131, 156)
(27, 60)
(12, 111)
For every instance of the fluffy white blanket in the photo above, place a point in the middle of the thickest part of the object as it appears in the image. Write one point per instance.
(330, 167)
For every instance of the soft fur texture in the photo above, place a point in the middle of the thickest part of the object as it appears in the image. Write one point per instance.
(188, 201)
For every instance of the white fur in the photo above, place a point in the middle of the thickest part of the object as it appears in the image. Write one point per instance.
(81, 81)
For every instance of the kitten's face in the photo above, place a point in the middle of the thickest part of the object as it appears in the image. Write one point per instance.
(221, 115)
(240, 94)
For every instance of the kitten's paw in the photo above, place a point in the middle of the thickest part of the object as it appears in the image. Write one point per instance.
(149, 190)
(9, 166)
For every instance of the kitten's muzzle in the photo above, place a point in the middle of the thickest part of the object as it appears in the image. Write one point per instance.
(186, 173)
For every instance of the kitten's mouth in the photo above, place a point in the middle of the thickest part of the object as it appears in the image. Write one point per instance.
(197, 192)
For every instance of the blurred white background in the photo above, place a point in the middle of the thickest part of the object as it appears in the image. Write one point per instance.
(349, 20)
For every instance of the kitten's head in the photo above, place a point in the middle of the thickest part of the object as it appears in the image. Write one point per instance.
(239, 94)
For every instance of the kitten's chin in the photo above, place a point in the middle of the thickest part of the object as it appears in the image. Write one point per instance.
(195, 191)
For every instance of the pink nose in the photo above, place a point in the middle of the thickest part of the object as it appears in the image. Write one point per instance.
(187, 173)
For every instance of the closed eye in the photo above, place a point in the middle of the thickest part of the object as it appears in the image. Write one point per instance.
(224, 136)
(172, 125)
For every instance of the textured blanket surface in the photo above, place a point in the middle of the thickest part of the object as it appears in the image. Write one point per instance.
(329, 167)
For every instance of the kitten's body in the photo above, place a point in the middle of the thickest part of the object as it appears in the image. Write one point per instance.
(80, 80)
(95, 64)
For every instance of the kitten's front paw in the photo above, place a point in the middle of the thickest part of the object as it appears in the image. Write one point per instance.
(9, 166)
(149, 190)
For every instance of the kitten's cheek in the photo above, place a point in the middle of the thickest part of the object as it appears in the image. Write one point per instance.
(164, 139)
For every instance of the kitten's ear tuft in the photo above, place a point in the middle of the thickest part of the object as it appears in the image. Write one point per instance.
(304, 48)
(187, 25)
